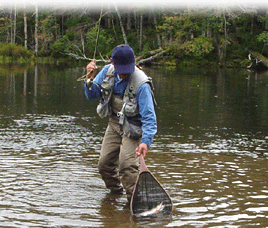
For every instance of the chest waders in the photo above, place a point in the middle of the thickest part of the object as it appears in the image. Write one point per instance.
(123, 111)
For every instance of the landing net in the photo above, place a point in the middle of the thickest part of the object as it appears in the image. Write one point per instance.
(148, 195)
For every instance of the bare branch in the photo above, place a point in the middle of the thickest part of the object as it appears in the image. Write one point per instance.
(154, 55)
(76, 56)
(139, 60)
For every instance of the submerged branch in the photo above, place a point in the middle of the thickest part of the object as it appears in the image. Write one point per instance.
(154, 54)
(76, 56)
(139, 60)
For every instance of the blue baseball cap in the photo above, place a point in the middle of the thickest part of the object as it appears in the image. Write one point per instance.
(123, 59)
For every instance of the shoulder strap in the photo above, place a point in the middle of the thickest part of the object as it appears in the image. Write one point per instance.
(110, 71)
(135, 81)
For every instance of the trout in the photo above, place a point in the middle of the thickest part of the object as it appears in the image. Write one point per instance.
(153, 211)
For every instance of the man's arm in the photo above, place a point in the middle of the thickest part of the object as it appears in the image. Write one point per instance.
(148, 118)
(95, 90)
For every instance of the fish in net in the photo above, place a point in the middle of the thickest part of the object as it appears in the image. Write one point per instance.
(149, 198)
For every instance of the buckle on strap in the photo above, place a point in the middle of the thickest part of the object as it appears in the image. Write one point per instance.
(121, 115)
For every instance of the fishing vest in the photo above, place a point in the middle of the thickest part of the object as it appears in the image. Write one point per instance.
(124, 110)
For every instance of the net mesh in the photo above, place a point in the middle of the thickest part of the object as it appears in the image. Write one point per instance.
(149, 194)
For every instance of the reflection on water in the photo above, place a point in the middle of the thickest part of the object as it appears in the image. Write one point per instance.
(210, 152)
(216, 189)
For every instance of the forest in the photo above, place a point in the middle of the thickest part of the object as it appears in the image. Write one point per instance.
(177, 35)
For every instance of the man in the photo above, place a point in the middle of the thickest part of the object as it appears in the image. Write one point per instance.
(127, 99)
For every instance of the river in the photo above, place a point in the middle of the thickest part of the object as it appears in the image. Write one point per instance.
(210, 152)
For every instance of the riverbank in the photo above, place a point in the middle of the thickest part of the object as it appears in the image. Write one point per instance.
(165, 61)
(16, 54)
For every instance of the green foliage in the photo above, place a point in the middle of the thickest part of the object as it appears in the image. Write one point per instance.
(48, 29)
(61, 46)
(263, 37)
(3, 25)
(104, 42)
(222, 35)
(192, 34)
(14, 52)
(170, 25)
(198, 47)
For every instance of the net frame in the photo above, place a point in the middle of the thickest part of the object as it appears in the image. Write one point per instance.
(148, 193)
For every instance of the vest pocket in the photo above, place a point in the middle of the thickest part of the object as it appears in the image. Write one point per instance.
(132, 129)
(130, 109)
(104, 107)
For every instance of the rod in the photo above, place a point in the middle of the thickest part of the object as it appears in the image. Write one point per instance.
(96, 44)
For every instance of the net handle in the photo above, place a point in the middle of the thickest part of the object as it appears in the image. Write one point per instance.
(143, 166)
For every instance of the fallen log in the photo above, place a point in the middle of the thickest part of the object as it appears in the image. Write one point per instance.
(257, 60)
(139, 60)
(155, 55)
(79, 57)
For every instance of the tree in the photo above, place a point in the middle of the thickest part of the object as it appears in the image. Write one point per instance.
(15, 24)
(140, 33)
(157, 35)
(186, 28)
(25, 27)
(263, 37)
(121, 24)
(36, 31)
(193, 33)
(48, 29)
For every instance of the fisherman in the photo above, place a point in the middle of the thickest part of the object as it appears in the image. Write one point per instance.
(127, 99)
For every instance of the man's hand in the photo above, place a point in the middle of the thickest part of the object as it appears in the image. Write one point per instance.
(91, 68)
(142, 149)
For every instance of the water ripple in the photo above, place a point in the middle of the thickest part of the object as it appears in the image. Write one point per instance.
(45, 132)
(49, 178)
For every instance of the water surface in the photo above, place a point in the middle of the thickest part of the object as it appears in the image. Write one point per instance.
(210, 152)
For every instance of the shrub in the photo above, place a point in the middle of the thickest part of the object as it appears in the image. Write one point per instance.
(14, 52)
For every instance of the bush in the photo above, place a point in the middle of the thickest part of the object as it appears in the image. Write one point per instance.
(14, 52)
(198, 47)
(105, 43)
(62, 46)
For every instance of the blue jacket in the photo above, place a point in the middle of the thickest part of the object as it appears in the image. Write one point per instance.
(144, 99)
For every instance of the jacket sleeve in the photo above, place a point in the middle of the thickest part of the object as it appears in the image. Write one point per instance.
(95, 90)
(147, 112)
